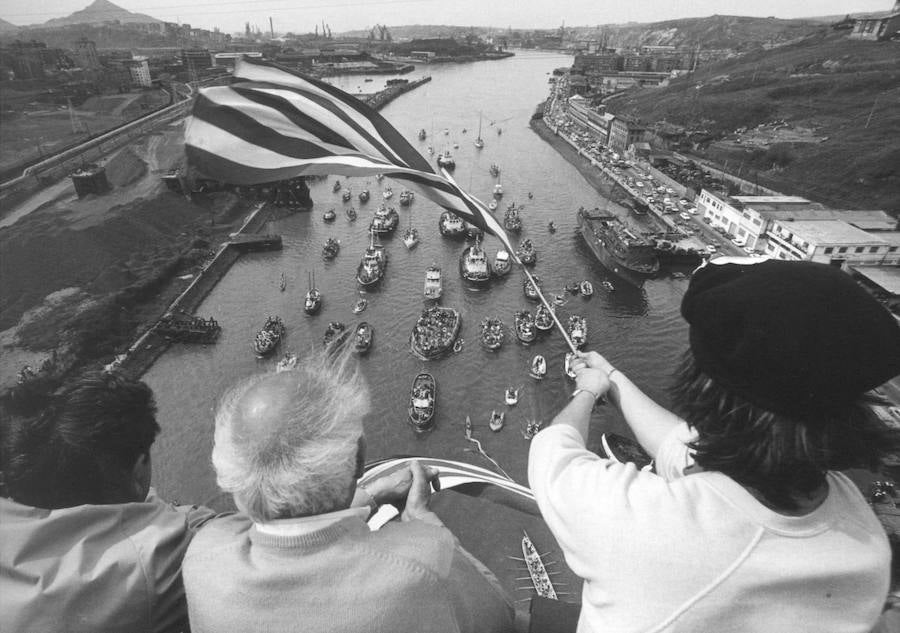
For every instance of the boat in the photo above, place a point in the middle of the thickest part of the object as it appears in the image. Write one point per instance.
(329, 215)
(364, 196)
(351, 213)
(543, 586)
(337, 186)
(331, 248)
(479, 142)
(334, 333)
(445, 160)
(497, 420)
(388, 193)
(577, 328)
(267, 339)
(406, 197)
(530, 195)
(551, 227)
(430, 150)
(567, 365)
(312, 303)
(474, 265)
(502, 264)
(373, 263)
(607, 285)
(435, 332)
(498, 191)
(458, 346)
(287, 362)
(411, 238)
(492, 205)
(511, 396)
(586, 288)
(422, 134)
(524, 325)
(379, 177)
(573, 287)
(529, 289)
(494, 169)
(346, 195)
(616, 247)
(362, 341)
(451, 225)
(283, 283)
(361, 304)
(532, 427)
(433, 284)
(526, 253)
(499, 131)
(422, 398)
(538, 367)
(385, 220)
(367, 79)
(511, 220)
(174, 326)
(492, 333)
(621, 449)
(543, 319)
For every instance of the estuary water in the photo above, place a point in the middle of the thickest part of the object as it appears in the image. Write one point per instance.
(640, 330)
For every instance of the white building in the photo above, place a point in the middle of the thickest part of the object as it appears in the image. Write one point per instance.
(832, 242)
(140, 71)
(743, 217)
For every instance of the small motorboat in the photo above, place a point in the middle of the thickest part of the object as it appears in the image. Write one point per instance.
(524, 325)
(501, 263)
(532, 427)
(511, 397)
(379, 177)
(385, 220)
(452, 226)
(411, 238)
(346, 195)
(526, 253)
(406, 197)
(573, 288)
(283, 283)
(498, 191)
(495, 170)
(287, 362)
(334, 333)
(538, 367)
(530, 195)
(586, 288)
(567, 366)
(329, 215)
(433, 284)
(422, 400)
(551, 226)
(365, 334)
(529, 289)
(351, 214)
(388, 193)
(361, 304)
(337, 186)
(422, 134)
(543, 319)
(458, 345)
(498, 418)
(331, 248)
(312, 303)
(364, 196)
(577, 327)
(492, 205)
(607, 285)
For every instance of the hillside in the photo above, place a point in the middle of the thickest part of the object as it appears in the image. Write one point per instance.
(839, 94)
(99, 12)
(7, 27)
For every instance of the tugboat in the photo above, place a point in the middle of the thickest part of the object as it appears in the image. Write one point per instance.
(433, 284)
(329, 215)
(337, 186)
(527, 254)
(474, 265)
(498, 191)
(346, 195)
(511, 220)
(388, 193)
(538, 367)
(434, 333)
(492, 333)
(334, 333)
(330, 249)
(451, 225)
(532, 427)
(497, 420)
(630, 256)
(529, 289)
(577, 327)
(501, 263)
(406, 198)
(543, 319)
(586, 288)
(495, 170)
(385, 220)
(364, 196)
(421, 401)
(445, 160)
(268, 337)
(313, 301)
(374, 261)
(351, 214)
(511, 397)
(365, 333)
(525, 331)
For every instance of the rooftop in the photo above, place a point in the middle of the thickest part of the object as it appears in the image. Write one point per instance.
(831, 232)
(886, 277)
(866, 220)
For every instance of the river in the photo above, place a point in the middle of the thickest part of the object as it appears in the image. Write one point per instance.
(641, 331)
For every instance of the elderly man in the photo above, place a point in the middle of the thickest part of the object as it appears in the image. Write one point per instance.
(85, 544)
(290, 448)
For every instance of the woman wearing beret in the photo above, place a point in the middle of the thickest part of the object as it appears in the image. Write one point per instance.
(746, 525)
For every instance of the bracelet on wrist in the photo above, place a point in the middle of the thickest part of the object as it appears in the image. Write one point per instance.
(588, 391)
(611, 372)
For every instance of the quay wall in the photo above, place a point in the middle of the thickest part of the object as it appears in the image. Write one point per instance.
(384, 97)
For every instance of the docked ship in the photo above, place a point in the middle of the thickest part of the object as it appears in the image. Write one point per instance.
(374, 261)
(451, 225)
(474, 265)
(435, 332)
(385, 220)
(630, 256)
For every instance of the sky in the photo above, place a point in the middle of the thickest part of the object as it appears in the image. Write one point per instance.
(300, 16)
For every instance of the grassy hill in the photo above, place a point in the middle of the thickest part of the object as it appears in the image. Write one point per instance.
(845, 92)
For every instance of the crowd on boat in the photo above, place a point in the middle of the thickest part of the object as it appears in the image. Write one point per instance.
(268, 337)
(434, 331)
(493, 332)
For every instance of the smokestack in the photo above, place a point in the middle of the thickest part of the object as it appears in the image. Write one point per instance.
(271, 28)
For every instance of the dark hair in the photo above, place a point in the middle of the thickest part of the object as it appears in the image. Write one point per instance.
(777, 455)
(82, 447)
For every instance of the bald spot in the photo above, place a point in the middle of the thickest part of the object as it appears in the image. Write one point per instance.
(261, 413)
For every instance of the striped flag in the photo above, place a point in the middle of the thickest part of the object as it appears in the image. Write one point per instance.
(273, 124)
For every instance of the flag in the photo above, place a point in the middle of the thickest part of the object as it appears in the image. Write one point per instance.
(272, 124)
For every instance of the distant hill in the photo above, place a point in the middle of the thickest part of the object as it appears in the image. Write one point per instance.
(98, 12)
(843, 90)
(7, 27)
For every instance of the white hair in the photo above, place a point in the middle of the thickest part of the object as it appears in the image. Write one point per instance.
(286, 444)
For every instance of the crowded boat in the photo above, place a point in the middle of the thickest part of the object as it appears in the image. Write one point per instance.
(492, 333)
(524, 326)
(434, 332)
(268, 337)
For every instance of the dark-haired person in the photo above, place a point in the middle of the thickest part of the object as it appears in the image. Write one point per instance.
(747, 527)
(85, 543)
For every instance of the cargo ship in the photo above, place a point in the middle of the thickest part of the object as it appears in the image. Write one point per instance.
(630, 256)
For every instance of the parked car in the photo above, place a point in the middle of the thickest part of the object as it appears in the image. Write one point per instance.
(684, 216)
(739, 241)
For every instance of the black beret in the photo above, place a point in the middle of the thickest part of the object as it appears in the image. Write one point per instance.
(797, 338)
